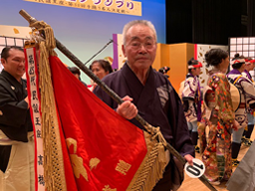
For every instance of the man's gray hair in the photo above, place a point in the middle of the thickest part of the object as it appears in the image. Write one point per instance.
(138, 22)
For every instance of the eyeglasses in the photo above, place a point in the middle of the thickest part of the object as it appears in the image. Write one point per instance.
(138, 45)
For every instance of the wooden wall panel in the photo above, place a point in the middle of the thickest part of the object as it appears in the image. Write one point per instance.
(179, 56)
(176, 57)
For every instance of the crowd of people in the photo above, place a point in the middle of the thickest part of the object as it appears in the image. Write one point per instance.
(185, 123)
(221, 128)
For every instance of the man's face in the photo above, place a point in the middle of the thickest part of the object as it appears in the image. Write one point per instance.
(196, 71)
(15, 63)
(140, 47)
(250, 66)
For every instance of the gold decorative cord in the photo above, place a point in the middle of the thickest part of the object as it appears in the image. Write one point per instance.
(54, 173)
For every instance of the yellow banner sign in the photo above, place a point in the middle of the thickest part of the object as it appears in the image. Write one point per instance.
(127, 7)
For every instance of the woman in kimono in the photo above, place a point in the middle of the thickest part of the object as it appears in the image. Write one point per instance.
(247, 93)
(219, 117)
(249, 66)
(191, 98)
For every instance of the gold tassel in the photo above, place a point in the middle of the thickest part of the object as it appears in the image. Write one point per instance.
(53, 158)
(48, 33)
(153, 166)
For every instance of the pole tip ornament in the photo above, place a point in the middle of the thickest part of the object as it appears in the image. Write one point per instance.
(26, 16)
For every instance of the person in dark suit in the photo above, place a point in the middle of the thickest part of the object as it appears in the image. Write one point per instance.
(16, 129)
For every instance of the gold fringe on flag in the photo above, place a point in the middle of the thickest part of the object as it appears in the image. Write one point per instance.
(152, 168)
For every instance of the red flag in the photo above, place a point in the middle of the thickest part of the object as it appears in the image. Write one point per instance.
(105, 149)
(35, 110)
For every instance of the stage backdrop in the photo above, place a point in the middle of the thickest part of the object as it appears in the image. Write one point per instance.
(85, 26)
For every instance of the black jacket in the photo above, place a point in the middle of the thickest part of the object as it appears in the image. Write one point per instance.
(15, 120)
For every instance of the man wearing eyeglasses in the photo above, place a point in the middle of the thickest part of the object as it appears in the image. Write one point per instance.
(145, 90)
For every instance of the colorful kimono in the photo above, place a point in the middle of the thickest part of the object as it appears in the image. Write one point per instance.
(247, 93)
(192, 98)
(246, 74)
(250, 111)
(218, 117)
(159, 104)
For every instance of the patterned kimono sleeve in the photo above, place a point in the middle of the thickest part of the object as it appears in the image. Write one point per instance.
(223, 98)
(249, 90)
(190, 87)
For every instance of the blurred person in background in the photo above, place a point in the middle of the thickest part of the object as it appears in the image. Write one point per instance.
(100, 68)
(76, 72)
(249, 66)
(247, 93)
(192, 98)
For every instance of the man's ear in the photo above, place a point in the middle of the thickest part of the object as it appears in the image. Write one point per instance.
(123, 50)
(222, 60)
(3, 61)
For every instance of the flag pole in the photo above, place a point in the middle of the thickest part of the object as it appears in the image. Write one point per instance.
(111, 93)
(98, 52)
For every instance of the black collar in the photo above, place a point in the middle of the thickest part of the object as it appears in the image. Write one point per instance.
(11, 79)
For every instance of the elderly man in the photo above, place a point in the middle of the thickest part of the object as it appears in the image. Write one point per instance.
(150, 92)
(16, 130)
